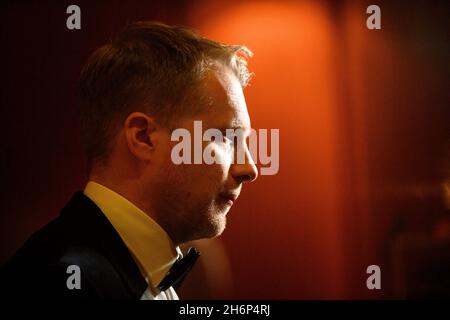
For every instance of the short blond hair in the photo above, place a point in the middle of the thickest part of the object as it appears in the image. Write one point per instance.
(148, 65)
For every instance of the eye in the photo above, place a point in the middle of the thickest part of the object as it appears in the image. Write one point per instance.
(229, 141)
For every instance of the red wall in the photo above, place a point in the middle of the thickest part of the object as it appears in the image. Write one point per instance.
(362, 118)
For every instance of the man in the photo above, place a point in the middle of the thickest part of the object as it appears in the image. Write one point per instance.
(119, 238)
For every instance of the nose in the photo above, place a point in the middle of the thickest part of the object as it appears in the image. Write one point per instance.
(245, 172)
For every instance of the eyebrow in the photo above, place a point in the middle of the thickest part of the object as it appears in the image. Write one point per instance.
(234, 127)
(237, 124)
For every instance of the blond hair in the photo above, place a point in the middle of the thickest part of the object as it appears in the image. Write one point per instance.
(150, 66)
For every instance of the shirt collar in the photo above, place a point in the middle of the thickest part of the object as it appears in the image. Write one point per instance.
(148, 242)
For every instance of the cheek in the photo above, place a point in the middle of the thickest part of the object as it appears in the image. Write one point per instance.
(204, 178)
(196, 176)
(199, 178)
(216, 173)
(223, 156)
(221, 152)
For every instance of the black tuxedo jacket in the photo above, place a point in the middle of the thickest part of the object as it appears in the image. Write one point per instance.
(81, 235)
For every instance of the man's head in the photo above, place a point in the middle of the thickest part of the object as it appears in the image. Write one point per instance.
(134, 92)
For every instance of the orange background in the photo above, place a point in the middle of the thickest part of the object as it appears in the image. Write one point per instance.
(363, 118)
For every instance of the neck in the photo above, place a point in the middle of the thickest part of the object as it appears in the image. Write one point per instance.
(130, 189)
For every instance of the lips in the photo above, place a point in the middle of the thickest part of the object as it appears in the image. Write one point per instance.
(229, 197)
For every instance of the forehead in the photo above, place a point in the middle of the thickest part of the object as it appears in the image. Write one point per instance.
(226, 102)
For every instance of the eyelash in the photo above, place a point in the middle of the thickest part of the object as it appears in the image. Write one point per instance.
(226, 139)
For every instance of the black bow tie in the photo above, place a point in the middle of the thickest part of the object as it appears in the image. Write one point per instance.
(179, 270)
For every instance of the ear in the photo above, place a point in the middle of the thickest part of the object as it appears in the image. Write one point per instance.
(139, 130)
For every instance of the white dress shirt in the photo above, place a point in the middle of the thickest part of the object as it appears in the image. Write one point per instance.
(149, 244)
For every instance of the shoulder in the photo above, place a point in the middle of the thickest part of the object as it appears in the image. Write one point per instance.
(63, 270)
(69, 257)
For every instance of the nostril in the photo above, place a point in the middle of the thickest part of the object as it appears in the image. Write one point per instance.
(248, 178)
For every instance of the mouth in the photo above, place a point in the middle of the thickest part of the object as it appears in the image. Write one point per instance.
(229, 197)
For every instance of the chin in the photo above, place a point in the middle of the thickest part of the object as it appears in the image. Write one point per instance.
(214, 227)
(218, 231)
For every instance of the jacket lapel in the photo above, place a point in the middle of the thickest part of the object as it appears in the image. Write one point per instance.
(97, 235)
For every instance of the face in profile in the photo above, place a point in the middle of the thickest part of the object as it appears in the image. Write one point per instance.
(194, 199)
